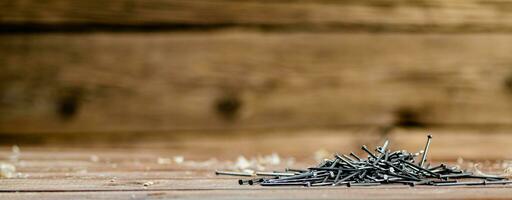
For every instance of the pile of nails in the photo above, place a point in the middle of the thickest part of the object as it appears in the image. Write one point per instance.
(380, 167)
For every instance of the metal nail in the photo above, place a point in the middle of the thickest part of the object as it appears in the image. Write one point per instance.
(231, 173)
(425, 152)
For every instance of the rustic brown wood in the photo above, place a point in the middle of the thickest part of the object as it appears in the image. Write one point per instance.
(372, 15)
(246, 80)
(311, 193)
(448, 145)
(284, 76)
(61, 171)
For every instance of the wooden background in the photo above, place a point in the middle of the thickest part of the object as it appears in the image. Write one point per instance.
(172, 66)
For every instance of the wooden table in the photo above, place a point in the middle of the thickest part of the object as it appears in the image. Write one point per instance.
(147, 169)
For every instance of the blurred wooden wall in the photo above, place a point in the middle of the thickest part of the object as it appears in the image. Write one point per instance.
(134, 65)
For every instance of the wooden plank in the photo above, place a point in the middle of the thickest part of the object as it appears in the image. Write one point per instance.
(286, 193)
(147, 147)
(175, 174)
(67, 171)
(87, 185)
(245, 80)
(170, 180)
(80, 184)
(370, 15)
(199, 149)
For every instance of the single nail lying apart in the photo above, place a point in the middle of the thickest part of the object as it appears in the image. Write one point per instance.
(229, 173)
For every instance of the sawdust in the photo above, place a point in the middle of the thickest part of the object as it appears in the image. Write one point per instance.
(147, 184)
(163, 161)
(259, 163)
(505, 166)
(7, 170)
(178, 159)
(508, 172)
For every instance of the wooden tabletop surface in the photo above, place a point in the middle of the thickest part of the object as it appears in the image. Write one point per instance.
(183, 168)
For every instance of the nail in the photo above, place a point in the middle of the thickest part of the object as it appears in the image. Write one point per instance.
(497, 182)
(383, 148)
(436, 181)
(295, 170)
(347, 177)
(437, 167)
(368, 151)
(348, 158)
(338, 168)
(274, 174)
(345, 160)
(403, 176)
(423, 182)
(296, 180)
(334, 162)
(230, 173)
(303, 175)
(284, 184)
(355, 156)
(363, 184)
(425, 152)
(456, 175)
(320, 184)
(325, 179)
(461, 183)
(485, 177)
(421, 169)
(337, 176)
(386, 155)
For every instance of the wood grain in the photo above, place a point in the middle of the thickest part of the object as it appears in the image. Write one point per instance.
(246, 80)
(111, 87)
(367, 15)
(448, 144)
(64, 171)
(283, 193)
